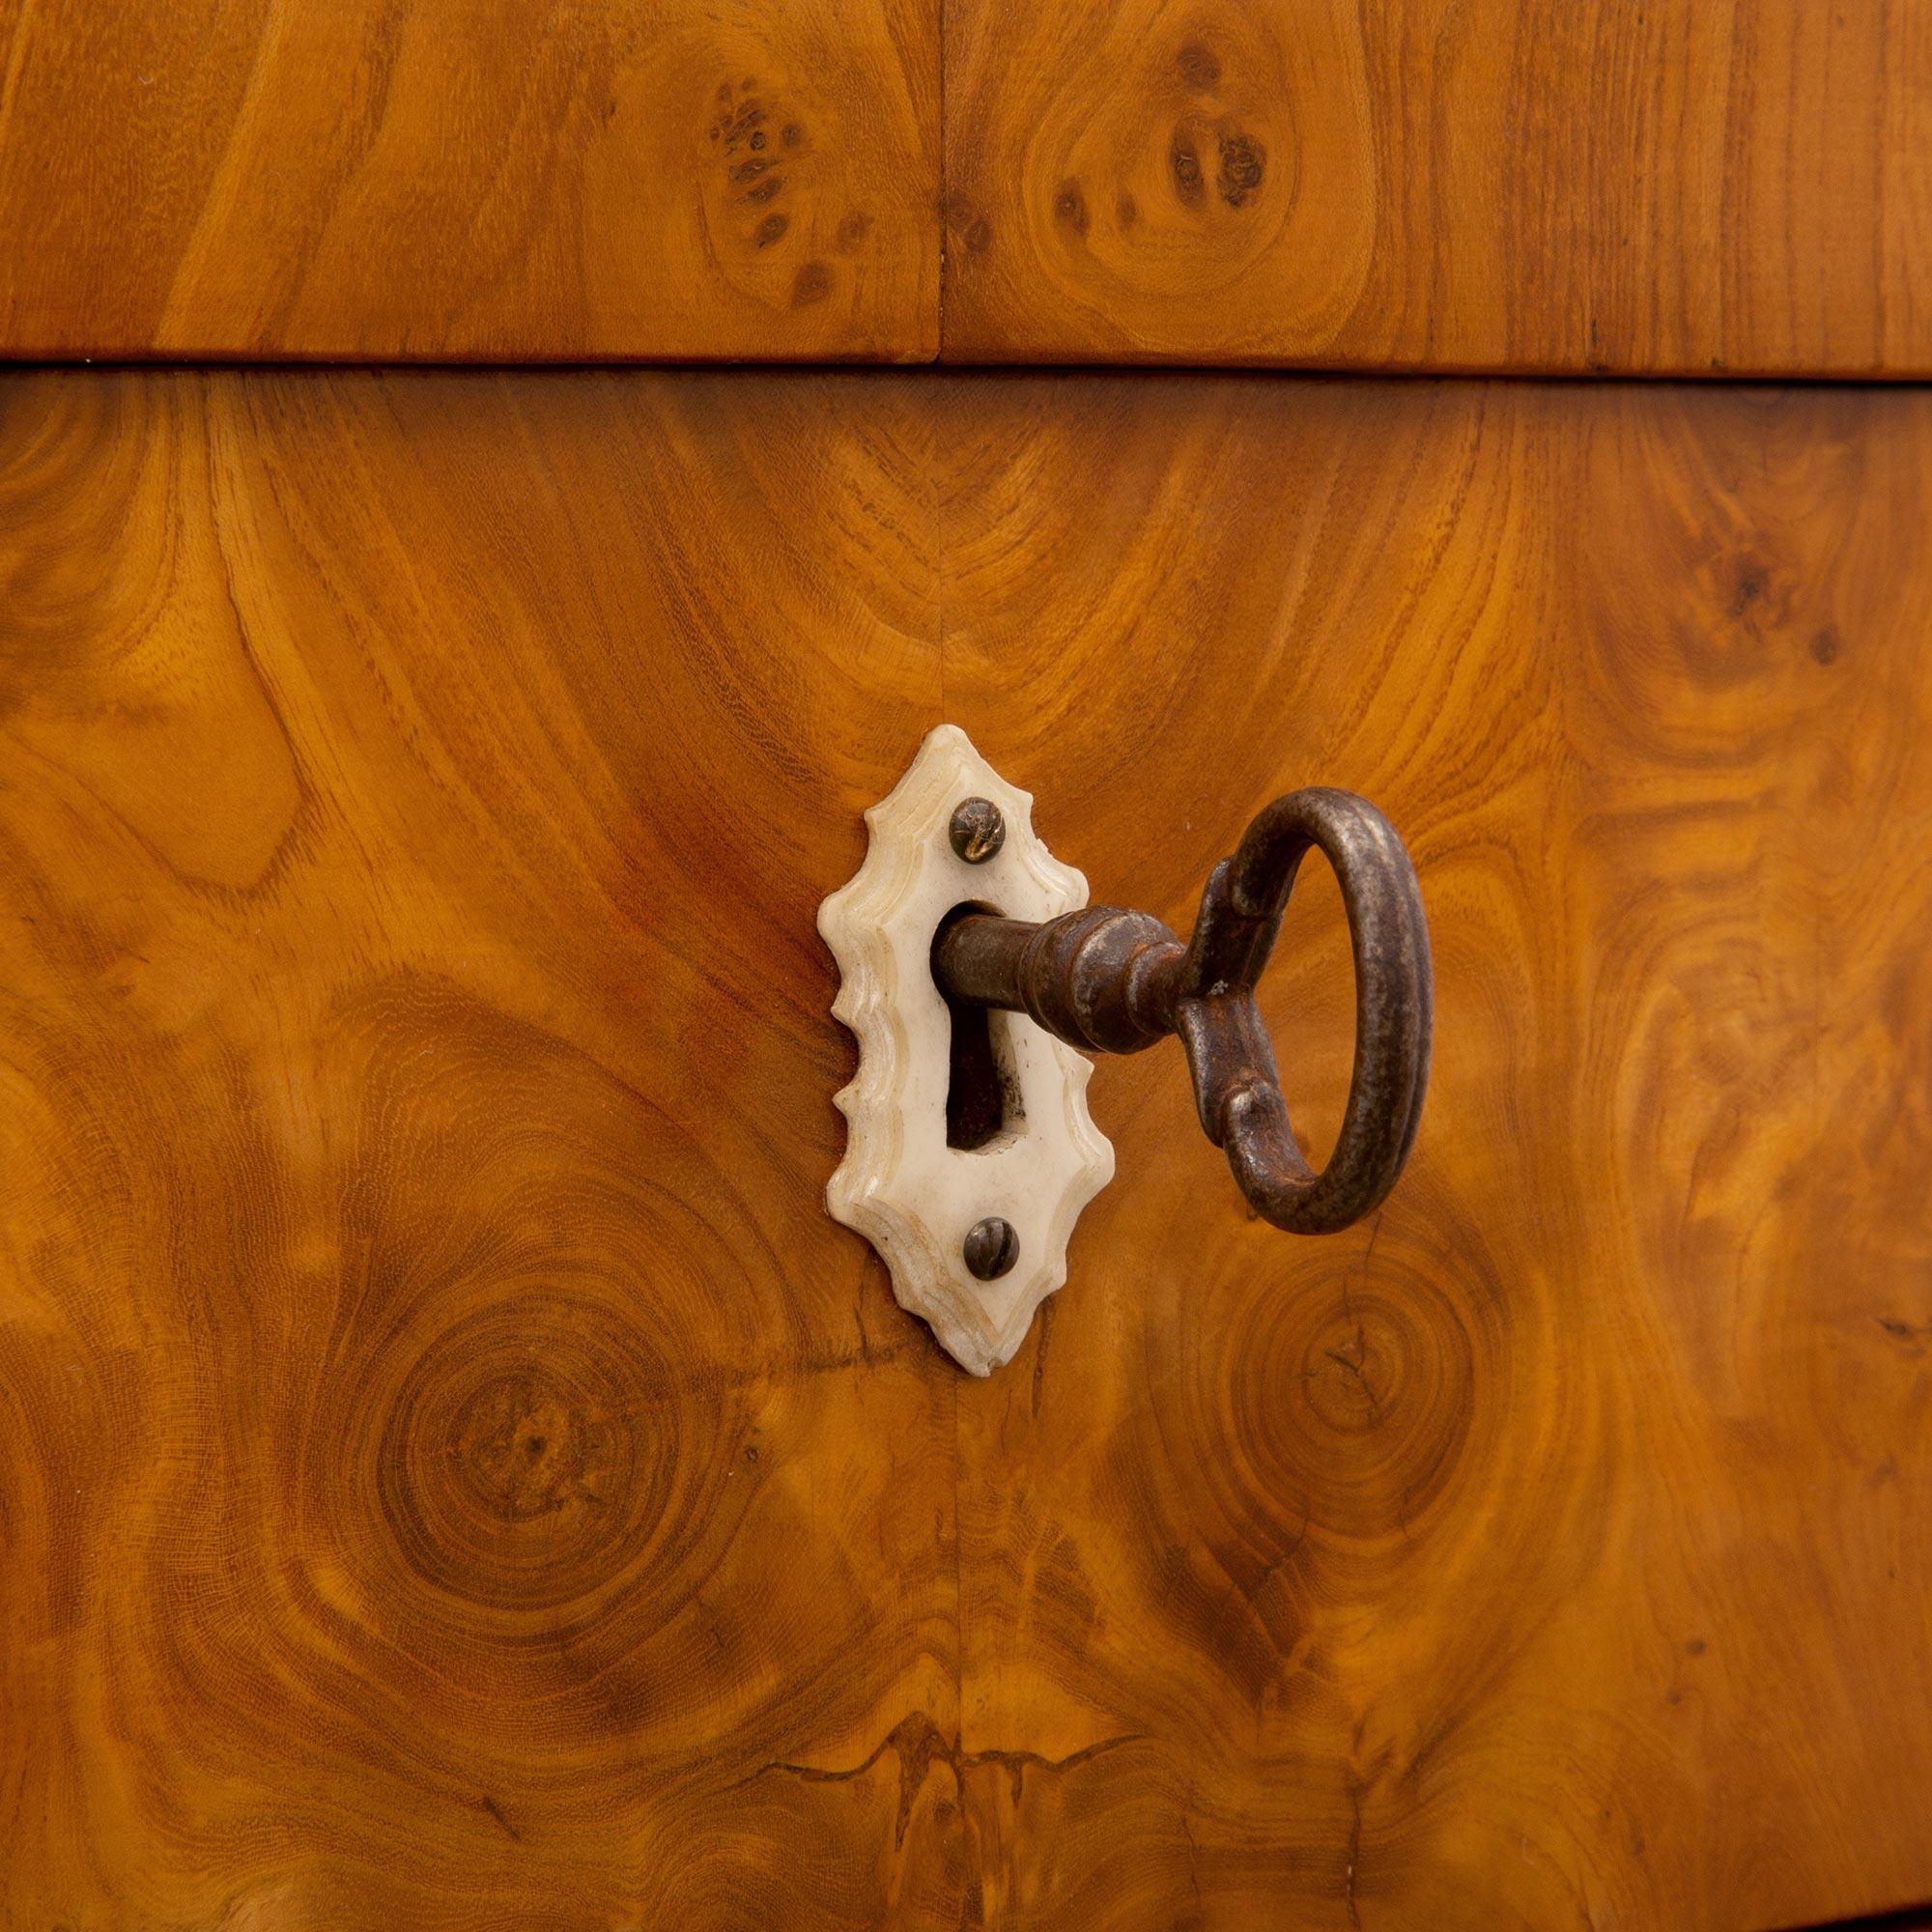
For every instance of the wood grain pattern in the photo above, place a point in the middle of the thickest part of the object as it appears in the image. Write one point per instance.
(470, 180)
(1527, 185)
(1556, 1550)
(454, 1473)
(449, 1452)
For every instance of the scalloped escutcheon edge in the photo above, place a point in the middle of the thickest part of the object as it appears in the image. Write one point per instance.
(900, 1186)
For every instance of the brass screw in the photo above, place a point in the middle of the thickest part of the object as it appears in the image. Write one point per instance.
(991, 1247)
(976, 831)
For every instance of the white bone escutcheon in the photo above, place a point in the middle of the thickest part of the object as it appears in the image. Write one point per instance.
(912, 1196)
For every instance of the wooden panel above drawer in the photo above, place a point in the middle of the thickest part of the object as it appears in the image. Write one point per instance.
(1533, 184)
(1489, 184)
(469, 179)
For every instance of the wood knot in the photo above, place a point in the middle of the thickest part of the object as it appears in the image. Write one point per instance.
(1197, 65)
(1358, 1395)
(1184, 161)
(528, 1448)
(1243, 161)
(518, 1471)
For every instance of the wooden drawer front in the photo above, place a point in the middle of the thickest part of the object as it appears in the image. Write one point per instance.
(457, 1473)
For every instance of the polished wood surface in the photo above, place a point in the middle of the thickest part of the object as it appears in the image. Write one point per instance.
(450, 1454)
(456, 1475)
(1557, 1548)
(466, 179)
(1500, 184)
(1533, 184)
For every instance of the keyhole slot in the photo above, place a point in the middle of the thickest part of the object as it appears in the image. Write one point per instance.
(984, 1109)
